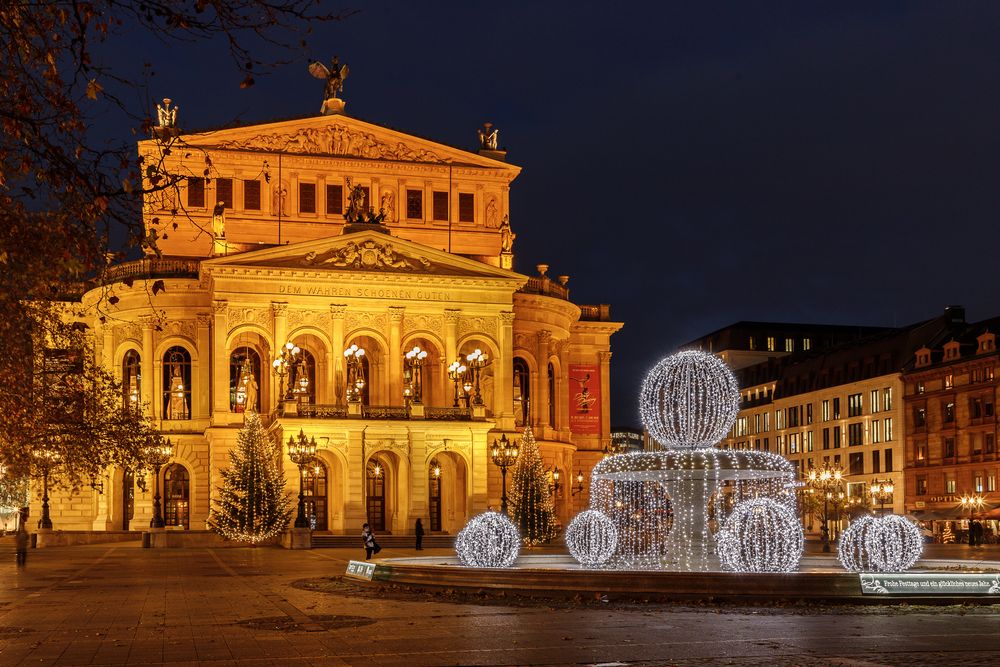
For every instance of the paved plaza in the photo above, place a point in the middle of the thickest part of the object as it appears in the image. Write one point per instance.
(121, 604)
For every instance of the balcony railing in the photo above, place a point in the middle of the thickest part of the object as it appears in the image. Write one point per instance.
(315, 411)
(385, 412)
(448, 414)
(401, 412)
(546, 287)
(150, 267)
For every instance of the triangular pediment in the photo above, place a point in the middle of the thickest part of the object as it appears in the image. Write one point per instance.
(364, 251)
(341, 136)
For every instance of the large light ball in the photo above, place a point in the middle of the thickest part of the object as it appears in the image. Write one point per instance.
(488, 540)
(591, 538)
(888, 543)
(689, 400)
(761, 535)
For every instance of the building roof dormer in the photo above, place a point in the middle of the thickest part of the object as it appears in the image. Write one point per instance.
(986, 342)
(952, 350)
(923, 357)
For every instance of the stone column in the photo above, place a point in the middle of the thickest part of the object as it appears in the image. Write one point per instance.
(337, 313)
(451, 316)
(146, 366)
(279, 330)
(503, 372)
(220, 362)
(106, 353)
(605, 358)
(395, 396)
(541, 399)
(206, 358)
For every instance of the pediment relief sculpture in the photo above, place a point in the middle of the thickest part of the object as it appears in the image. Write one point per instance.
(367, 255)
(335, 139)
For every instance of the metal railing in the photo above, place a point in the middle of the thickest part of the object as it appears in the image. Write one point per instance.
(448, 414)
(316, 411)
(385, 412)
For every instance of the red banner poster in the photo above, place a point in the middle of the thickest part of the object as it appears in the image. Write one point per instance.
(585, 399)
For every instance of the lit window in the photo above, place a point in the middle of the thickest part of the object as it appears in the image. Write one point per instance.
(949, 381)
(770, 343)
(977, 483)
(789, 345)
(991, 483)
(887, 398)
(949, 486)
(887, 431)
(806, 344)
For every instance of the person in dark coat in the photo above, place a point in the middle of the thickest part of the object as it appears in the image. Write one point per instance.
(419, 530)
(21, 542)
(368, 537)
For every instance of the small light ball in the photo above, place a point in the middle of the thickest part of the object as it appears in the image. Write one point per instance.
(888, 543)
(591, 538)
(761, 535)
(488, 540)
(689, 400)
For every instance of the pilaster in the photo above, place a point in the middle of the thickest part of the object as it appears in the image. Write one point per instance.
(337, 314)
(605, 358)
(219, 361)
(279, 329)
(204, 366)
(146, 365)
(503, 373)
(541, 398)
(395, 355)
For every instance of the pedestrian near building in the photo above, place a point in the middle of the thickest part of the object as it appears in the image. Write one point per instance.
(419, 530)
(21, 542)
(371, 546)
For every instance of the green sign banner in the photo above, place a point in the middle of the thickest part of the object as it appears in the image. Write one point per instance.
(930, 583)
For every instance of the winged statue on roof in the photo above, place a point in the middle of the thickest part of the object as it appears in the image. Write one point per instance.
(334, 75)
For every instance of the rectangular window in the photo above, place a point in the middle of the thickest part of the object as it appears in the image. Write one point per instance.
(466, 207)
(876, 431)
(949, 413)
(887, 431)
(920, 388)
(809, 441)
(949, 486)
(836, 460)
(888, 460)
(789, 345)
(949, 448)
(224, 192)
(806, 344)
(441, 206)
(991, 482)
(770, 343)
(415, 204)
(976, 408)
(988, 408)
(854, 405)
(767, 444)
(809, 413)
(949, 381)
(857, 464)
(855, 434)
(826, 438)
(876, 462)
(793, 443)
(990, 443)
(873, 401)
(826, 411)
(922, 485)
(977, 483)
(836, 437)
(922, 452)
(767, 422)
(779, 419)
(334, 199)
(793, 416)
(920, 417)
(307, 197)
(251, 195)
(836, 408)
(887, 398)
(196, 192)
(988, 374)
(976, 443)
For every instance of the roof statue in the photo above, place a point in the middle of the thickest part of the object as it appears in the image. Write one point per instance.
(489, 137)
(166, 119)
(359, 212)
(334, 76)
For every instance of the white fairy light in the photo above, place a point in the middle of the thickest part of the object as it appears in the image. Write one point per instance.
(689, 400)
(488, 540)
(888, 543)
(761, 535)
(591, 538)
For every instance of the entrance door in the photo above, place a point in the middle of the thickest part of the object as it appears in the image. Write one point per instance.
(434, 499)
(128, 498)
(177, 493)
(315, 491)
(375, 492)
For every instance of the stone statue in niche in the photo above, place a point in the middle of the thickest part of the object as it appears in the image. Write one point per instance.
(388, 205)
(358, 212)
(219, 220)
(279, 202)
(489, 136)
(507, 236)
(491, 213)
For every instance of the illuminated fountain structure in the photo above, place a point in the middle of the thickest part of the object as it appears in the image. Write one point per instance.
(667, 504)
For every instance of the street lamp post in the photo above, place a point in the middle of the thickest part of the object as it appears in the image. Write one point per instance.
(355, 372)
(302, 452)
(283, 364)
(413, 362)
(504, 454)
(477, 360)
(159, 454)
(881, 490)
(47, 459)
(825, 480)
(456, 373)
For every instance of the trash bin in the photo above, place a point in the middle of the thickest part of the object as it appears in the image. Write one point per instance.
(146, 540)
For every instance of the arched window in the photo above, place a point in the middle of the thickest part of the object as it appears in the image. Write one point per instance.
(244, 380)
(177, 496)
(131, 381)
(177, 384)
(303, 378)
(522, 391)
(552, 396)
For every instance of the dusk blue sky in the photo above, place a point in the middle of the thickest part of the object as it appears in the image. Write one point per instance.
(693, 164)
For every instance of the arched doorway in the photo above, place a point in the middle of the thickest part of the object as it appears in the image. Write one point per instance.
(314, 484)
(434, 495)
(177, 496)
(376, 483)
(447, 497)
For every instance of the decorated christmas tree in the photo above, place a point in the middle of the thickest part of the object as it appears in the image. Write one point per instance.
(947, 535)
(531, 505)
(252, 505)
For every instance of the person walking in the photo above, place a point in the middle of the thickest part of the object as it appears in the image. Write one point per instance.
(21, 542)
(419, 530)
(371, 546)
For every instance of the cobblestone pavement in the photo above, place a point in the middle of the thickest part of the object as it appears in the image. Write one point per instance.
(120, 604)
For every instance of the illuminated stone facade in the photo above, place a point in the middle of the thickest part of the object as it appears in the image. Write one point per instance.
(273, 263)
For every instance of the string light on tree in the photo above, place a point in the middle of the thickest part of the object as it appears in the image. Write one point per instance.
(591, 538)
(530, 502)
(889, 543)
(761, 535)
(251, 505)
(689, 400)
(488, 540)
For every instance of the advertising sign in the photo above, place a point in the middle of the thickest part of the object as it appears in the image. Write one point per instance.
(585, 399)
(930, 583)
(359, 569)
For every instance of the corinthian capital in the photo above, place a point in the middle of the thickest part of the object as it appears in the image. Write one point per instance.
(279, 308)
(396, 313)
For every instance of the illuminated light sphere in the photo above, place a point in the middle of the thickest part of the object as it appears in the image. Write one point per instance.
(761, 535)
(888, 543)
(591, 538)
(689, 400)
(488, 540)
